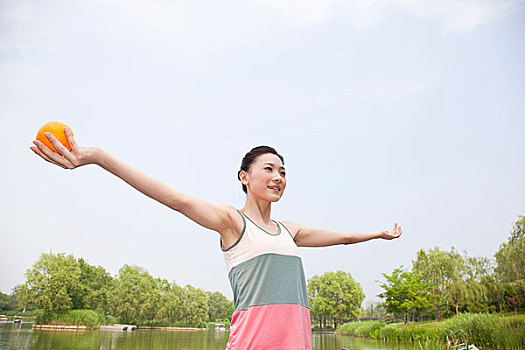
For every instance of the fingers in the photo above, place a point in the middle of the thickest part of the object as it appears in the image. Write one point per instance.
(71, 139)
(398, 232)
(62, 150)
(51, 156)
(58, 145)
(46, 158)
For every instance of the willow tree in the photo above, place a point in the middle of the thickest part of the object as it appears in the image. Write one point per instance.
(510, 267)
(437, 268)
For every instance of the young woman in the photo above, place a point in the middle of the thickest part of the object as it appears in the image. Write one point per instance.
(261, 255)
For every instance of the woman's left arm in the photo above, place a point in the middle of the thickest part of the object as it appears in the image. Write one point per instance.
(320, 237)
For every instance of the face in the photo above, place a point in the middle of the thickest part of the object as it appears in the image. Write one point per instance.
(266, 177)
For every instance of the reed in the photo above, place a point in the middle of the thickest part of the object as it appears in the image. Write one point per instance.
(492, 331)
(495, 331)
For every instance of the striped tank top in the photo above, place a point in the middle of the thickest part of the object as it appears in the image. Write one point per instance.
(269, 290)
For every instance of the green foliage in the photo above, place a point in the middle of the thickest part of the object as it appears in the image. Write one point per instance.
(360, 328)
(57, 282)
(487, 329)
(87, 318)
(443, 271)
(94, 283)
(61, 287)
(220, 309)
(410, 332)
(394, 331)
(510, 269)
(483, 330)
(8, 303)
(194, 305)
(405, 292)
(51, 283)
(135, 295)
(334, 296)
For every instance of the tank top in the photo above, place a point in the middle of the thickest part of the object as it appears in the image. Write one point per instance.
(269, 290)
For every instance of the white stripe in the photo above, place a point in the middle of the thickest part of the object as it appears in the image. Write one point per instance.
(256, 242)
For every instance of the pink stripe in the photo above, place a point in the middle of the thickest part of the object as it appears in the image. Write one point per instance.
(271, 327)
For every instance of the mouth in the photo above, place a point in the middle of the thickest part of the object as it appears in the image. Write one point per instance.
(276, 189)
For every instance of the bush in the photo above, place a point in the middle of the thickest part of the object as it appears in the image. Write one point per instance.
(88, 318)
(108, 319)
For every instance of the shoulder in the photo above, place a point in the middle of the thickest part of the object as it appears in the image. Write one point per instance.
(292, 227)
(228, 209)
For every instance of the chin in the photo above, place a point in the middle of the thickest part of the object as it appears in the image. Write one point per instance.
(275, 199)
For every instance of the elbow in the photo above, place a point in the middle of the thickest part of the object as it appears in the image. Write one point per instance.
(348, 238)
(179, 203)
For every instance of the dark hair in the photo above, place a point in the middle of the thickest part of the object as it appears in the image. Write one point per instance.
(250, 157)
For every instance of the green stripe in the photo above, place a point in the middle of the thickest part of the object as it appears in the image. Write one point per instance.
(268, 279)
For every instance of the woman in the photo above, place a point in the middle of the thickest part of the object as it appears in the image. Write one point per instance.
(262, 256)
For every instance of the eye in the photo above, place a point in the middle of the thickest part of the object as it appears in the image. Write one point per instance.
(283, 173)
(268, 168)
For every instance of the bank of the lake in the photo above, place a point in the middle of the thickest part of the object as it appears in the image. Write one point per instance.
(90, 319)
(487, 330)
(23, 337)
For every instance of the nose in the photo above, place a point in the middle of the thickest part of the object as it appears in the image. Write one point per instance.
(277, 177)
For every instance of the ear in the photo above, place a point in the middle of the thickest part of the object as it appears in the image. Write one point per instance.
(243, 176)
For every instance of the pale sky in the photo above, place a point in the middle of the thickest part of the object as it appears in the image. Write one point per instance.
(385, 111)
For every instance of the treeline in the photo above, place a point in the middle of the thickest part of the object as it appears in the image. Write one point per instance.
(445, 283)
(57, 283)
(8, 303)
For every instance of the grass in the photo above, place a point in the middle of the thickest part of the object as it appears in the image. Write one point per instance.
(87, 318)
(484, 330)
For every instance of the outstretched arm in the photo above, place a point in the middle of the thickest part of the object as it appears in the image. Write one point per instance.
(319, 237)
(214, 217)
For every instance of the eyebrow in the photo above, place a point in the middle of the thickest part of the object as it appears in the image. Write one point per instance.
(274, 165)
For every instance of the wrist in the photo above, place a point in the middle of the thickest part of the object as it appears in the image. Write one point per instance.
(94, 155)
(377, 234)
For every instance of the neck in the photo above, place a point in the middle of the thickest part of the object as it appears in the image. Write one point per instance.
(257, 209)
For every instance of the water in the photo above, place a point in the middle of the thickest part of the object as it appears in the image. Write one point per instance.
(23, 337)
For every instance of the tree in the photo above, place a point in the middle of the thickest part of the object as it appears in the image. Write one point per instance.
(219, 307)
(135, 295)
(8, 302)
(334, 296)
(455, 270)
(405, 293)
(95, 284)
(194, 305)
(438, 268)
(510, 268)
(50, 283)
(170, 308)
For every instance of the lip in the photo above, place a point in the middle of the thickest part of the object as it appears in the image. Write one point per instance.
(276, 189)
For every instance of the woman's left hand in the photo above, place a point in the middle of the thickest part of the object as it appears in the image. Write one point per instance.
(390, 234)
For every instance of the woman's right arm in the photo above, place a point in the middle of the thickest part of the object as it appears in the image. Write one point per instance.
(215, 217)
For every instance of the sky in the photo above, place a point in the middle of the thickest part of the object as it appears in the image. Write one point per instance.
(385, 111)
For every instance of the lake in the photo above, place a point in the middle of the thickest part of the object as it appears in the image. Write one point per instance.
(23, 337)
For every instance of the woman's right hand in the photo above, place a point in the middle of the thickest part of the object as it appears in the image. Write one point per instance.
(66, 159)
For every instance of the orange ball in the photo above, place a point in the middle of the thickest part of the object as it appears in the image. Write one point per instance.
(57, 130)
